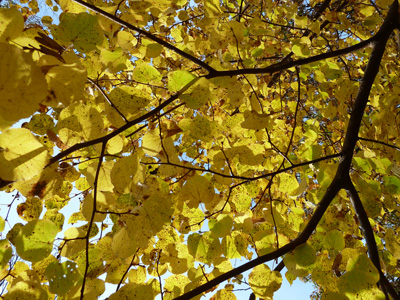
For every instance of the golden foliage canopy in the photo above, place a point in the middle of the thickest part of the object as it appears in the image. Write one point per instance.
(194, 133)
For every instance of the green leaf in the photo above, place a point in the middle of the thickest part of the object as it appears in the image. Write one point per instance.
(204, 248)
(61, 276)
(83, 30)
(5, 253)
(40, 123)
(392, 184)
(334, 239)
(221, 226)
(34, 241)
(359, 281)
(146, 74)
(178, 79)
(305, 255)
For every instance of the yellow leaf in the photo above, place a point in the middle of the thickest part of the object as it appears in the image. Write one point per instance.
(367, 10)
(104, 179)
(22, 156)
(152, 49)
(287, 183)
(198, 95)
(197, 189)
(114, 61)
(22, 85)
(65, 81)
(264, 282)
(256, 121)
(87, 207)
(126, 171)
(146, 74)
(11, 24)
(212, 7)
(135, 291)
(129, 100)
(79, 121)
(393, 243)
(123, 245)
(26, 290)
(115, 145)
(359, 281)
(152, 143)
(199, 128)
(83, 30)
(126, 40)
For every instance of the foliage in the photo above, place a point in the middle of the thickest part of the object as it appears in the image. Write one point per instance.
(197, 133)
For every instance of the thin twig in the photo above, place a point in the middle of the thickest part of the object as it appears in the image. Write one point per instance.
(96, 179)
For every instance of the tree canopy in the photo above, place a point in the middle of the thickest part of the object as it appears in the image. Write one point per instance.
(198, 132)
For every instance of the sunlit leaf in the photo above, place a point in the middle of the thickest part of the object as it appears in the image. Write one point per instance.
(11, 24)
(61, 277)
(264, 282)
(20, 79)
(80, 29)
(22, 156)
(34, 241)
(5, 252)
(205, 248)
(179, 79)
(359, 282)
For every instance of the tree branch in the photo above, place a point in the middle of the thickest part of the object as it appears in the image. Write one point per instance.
(342, 177)
(379, 142)
(107, 98)
(370, 239)
(281, 66)
(122, 128)
(314, 161)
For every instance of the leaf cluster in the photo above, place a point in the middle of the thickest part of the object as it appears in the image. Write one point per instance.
(196, 133)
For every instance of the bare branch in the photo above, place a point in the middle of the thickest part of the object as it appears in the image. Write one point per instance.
(379, 142)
